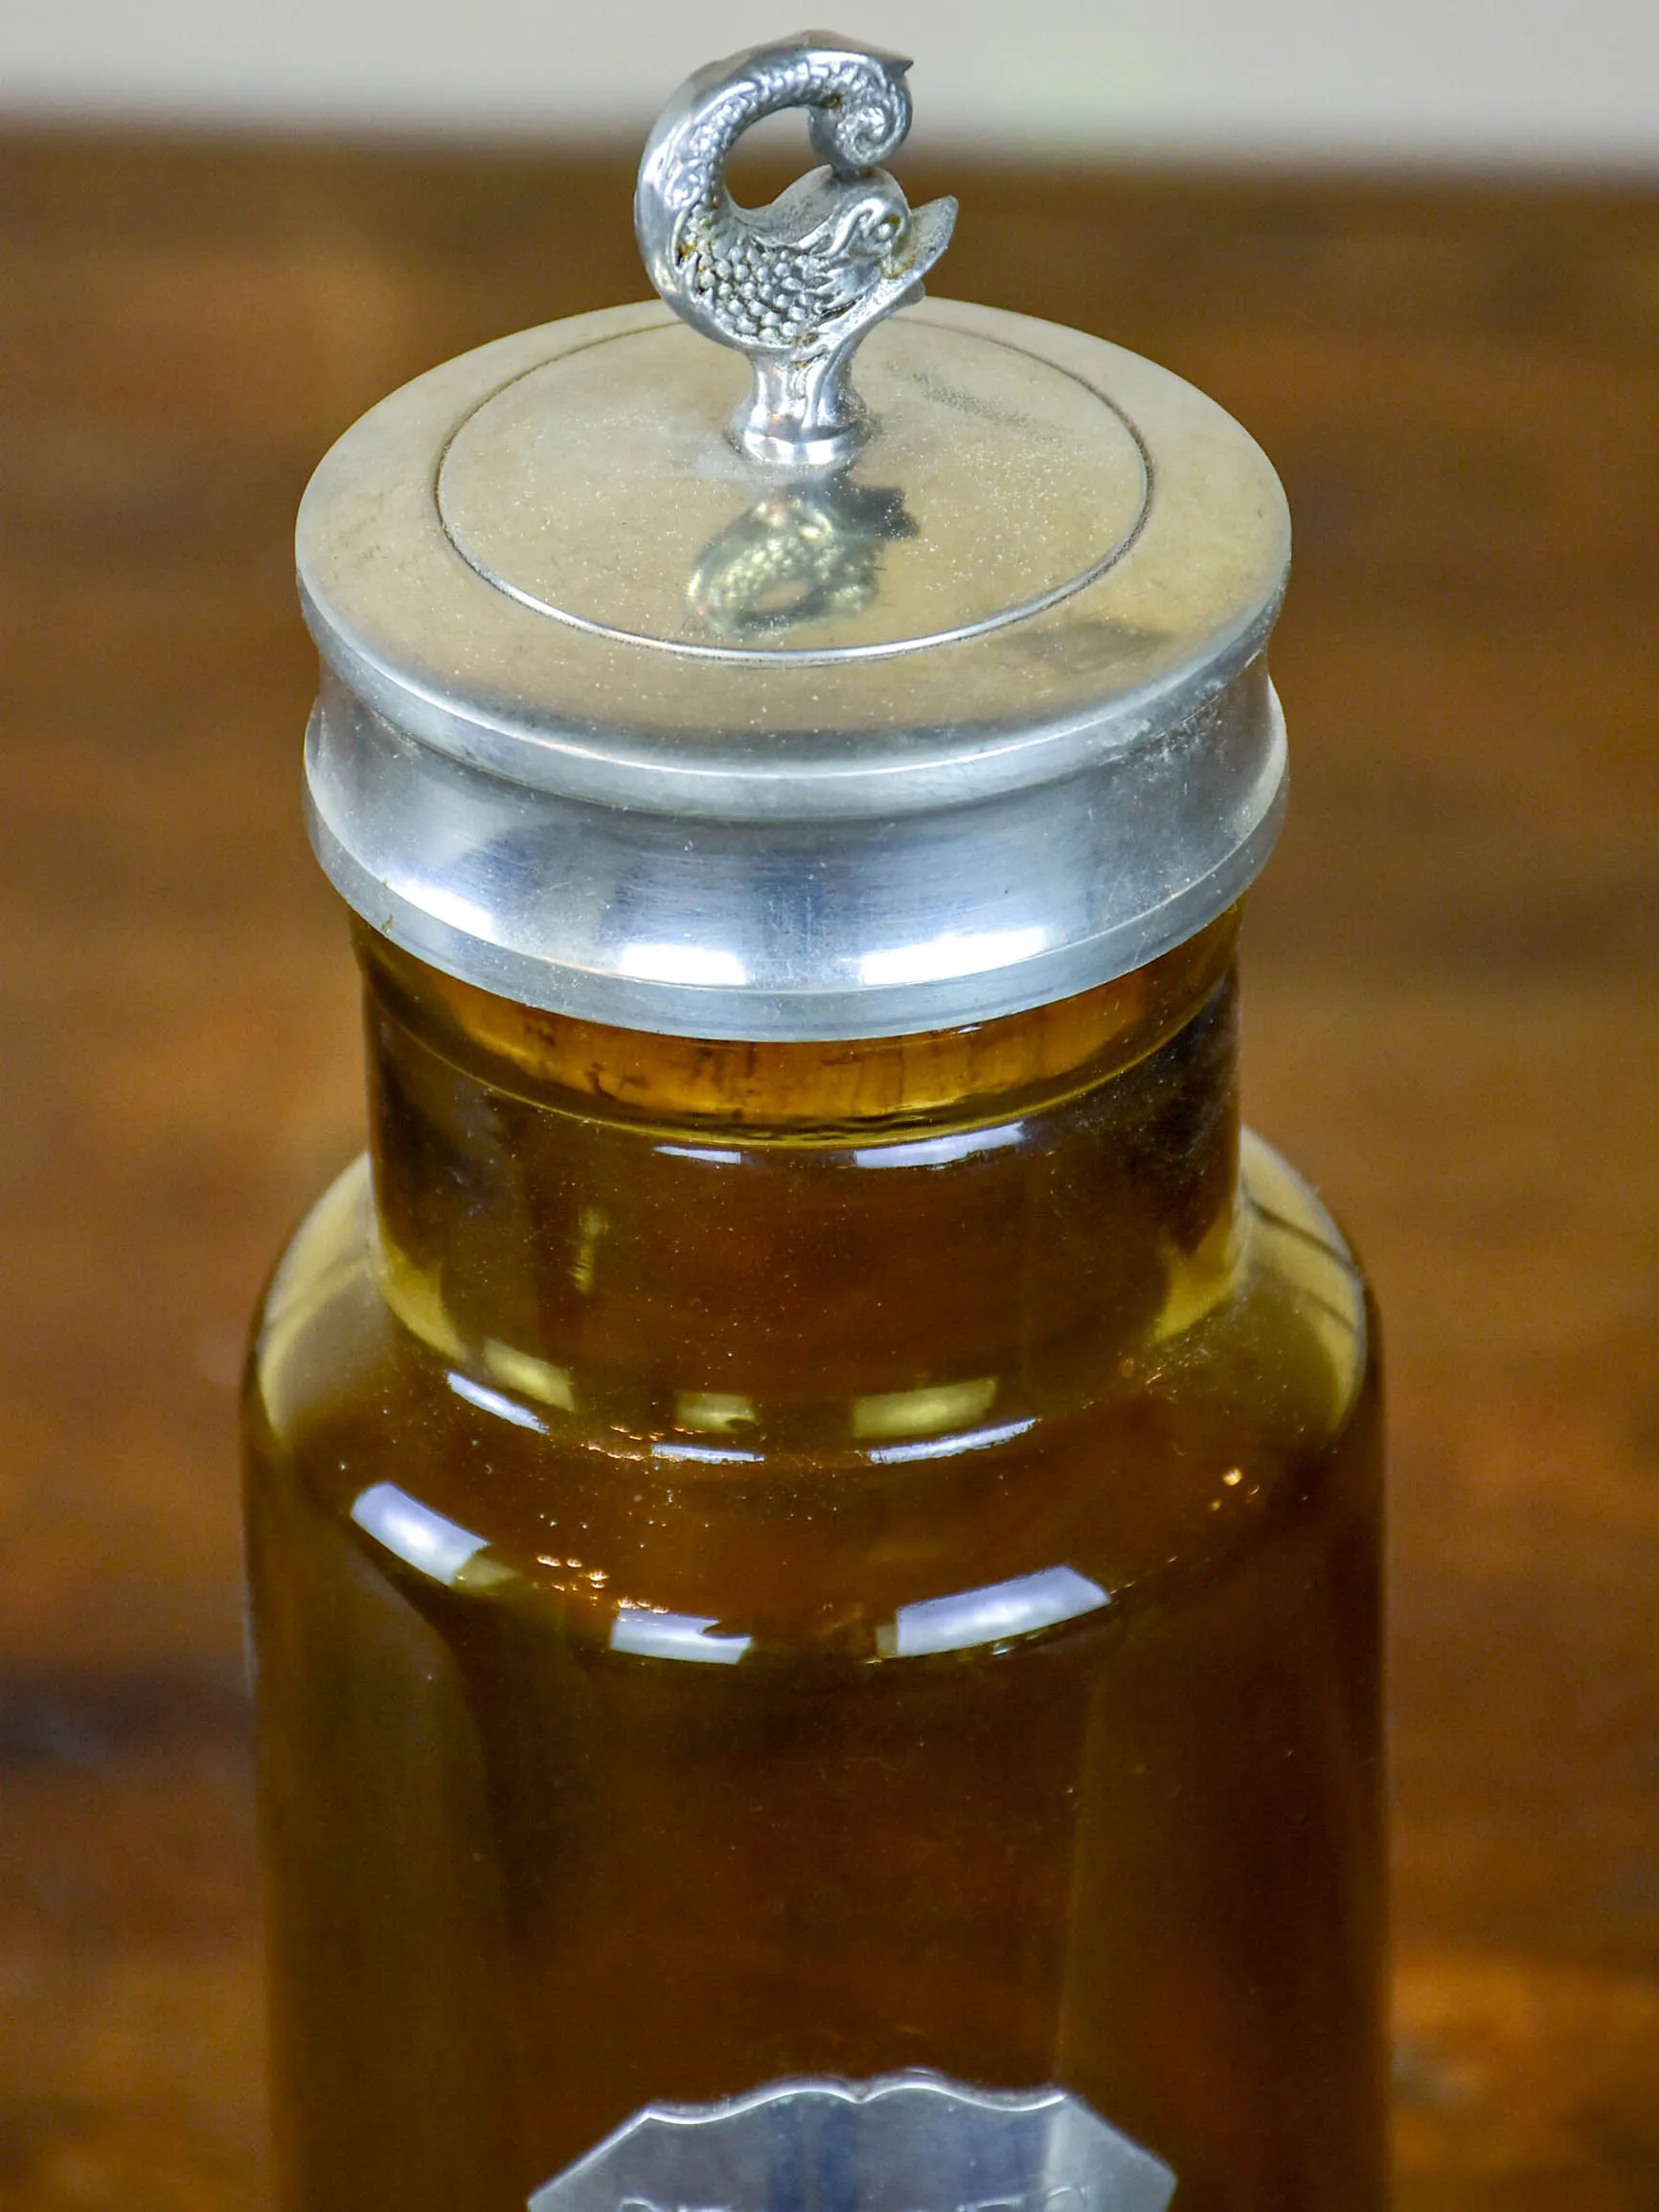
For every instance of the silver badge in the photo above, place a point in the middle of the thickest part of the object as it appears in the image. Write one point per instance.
(910, 2142)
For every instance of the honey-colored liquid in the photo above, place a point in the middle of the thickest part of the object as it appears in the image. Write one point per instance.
(775, 1560)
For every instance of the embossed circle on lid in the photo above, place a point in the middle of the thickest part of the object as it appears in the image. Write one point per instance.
(590, 490)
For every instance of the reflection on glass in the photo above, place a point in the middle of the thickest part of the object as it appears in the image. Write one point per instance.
(658, 1635)
(533, 1377)
(490, 1401)
(412, 1532)
(988, 1615)
(928, 1412)
(807, 552)
(948, 1446)
(713, 1412)
(940, 1152)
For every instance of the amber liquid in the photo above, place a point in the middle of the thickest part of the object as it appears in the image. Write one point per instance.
(784, 1561)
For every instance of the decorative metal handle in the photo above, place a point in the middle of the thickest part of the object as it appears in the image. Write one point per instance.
(797, 284)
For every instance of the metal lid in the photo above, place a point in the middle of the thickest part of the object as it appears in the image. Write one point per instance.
(695, 688)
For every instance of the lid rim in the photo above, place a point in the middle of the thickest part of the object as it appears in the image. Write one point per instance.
(739, 1016)
(566, 953)
(513, 748)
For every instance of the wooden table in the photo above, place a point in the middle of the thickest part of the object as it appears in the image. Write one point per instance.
(1453, 1024)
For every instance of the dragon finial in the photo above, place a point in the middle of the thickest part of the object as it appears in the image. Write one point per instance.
(797, 284)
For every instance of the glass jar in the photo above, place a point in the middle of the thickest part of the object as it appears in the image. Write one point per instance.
(813, 1504)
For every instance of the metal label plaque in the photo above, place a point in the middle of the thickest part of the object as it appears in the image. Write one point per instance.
(910, 2142)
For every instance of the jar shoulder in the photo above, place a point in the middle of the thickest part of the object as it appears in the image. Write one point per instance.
(1249, 1395)
(323, 1327)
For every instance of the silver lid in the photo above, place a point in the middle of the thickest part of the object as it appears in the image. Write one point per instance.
(706, 689)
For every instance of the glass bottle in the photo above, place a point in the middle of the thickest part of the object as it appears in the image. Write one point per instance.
(813, 1504)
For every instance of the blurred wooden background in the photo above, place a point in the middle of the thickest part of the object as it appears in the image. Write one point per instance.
(1453, 1024)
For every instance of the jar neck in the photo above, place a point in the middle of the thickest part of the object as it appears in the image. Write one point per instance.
(704, 1238)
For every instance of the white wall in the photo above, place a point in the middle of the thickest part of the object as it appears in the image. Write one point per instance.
(1510, 81)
